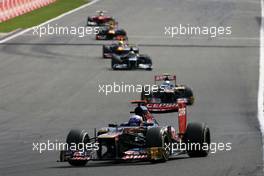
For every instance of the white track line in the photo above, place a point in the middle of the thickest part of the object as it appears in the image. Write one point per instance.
(261, 79)
(183, 37)
(46, 22)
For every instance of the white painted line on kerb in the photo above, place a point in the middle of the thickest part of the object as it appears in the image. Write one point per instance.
(51, 20)
(261, 79)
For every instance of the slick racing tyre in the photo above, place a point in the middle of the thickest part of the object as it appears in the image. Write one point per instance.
(75, 137)
(189, 96)
(156, 137)
(113, 62)
(146, 95)
(148, 60)
(197, 137)
(88, 20)
(121, 35)
(143, 95)
(104, 51)
(121, 32)
(145, 59)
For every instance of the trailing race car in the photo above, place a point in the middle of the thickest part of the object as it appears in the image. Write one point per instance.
(119, 48)
(164, 99)
(100, 19)
(111, 32)
(131, 61)
(139, 139)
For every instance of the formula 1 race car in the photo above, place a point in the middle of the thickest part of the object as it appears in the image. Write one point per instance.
(139, 139)
(111, 32)
(131, 61)
(100, 19)
(118, 48)
(164, 99)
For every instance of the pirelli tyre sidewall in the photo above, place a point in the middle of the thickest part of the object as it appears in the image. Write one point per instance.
(197, 134)
(77, 136)
(158, 137)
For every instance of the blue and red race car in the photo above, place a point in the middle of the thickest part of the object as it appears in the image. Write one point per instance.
(139, 139)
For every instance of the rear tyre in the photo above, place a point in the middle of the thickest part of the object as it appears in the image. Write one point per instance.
(104, 51)
(143, 94)
(189, 96)
(113, 62)
(136, 50)
(156, 137)
(75, 137)
(197, 136)
(145, 59)
(88, 20)
(121, 32)
(146, 95)
(148, 60)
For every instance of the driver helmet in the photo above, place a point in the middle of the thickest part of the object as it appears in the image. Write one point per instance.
(167, 82)
(135, 120)
(111, 26)
(132, 52)
(101, 13)
(121, 43)
(166, 85)
(141, 110)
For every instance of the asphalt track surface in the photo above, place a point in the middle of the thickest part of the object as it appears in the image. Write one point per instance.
(47, 88)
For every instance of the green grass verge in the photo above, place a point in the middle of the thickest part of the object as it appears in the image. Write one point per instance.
(40, 15)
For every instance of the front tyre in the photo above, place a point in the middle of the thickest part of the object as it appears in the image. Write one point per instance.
(156, 137)
(75, 137)
(104, 51)
(198, 139)
(189, 95)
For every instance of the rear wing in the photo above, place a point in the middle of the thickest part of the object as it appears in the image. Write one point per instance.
(165, 77)
(138, 102)
(99, 11)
